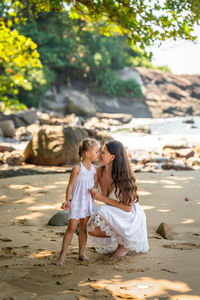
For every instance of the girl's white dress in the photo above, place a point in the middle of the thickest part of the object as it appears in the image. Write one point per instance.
(82, 203)
(124, 228)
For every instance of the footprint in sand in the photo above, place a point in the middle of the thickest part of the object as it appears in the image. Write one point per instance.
(5, 240)
(182, 246)
(131, 270)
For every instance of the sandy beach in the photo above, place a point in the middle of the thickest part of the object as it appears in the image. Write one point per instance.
(28, 246)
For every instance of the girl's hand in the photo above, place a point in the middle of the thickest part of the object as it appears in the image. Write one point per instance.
(65, 205)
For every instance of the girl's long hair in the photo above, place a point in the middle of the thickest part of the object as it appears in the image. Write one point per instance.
(122, 174)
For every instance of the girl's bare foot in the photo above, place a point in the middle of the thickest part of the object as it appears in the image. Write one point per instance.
(83, 257)
(121, 251)
(59, 261)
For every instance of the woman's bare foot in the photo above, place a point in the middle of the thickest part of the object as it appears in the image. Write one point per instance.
(83, 257)
(121, 251)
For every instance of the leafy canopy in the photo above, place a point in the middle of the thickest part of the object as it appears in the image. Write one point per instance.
(143, 22)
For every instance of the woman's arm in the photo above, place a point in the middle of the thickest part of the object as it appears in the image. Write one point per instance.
(98, 196)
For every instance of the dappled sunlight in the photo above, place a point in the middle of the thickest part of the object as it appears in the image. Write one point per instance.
(184, 297)
(144, 193)
(32, 216)
(188, 221)
(139, 288)
(44, 207)
(172, 186)
(61, 182)
(164, 210)
(167, 181)
(23, 187)
(147, 181)
(41, 254)
(147, 207)
(26, 200)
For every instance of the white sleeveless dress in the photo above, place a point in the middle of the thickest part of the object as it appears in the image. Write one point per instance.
(82, 203)
(124, 228)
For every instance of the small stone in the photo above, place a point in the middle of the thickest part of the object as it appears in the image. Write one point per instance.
(165, 231)
(187, 199)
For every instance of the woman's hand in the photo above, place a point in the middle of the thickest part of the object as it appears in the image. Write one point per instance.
(95, 194)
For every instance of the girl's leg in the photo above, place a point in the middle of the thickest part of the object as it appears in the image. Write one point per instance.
(82, 238)
(67, 240)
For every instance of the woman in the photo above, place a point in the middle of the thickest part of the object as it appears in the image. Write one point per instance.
(121, 219)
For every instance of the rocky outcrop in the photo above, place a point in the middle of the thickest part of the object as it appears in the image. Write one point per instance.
(168, 95)
(164, 95)
(68, 101)
(54, 145)
(79, 103)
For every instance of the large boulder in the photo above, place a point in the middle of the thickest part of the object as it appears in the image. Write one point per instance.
(79, 103)
(7, 128)
(24, 118)
(128, 73)
(55, 101)
(54, 145)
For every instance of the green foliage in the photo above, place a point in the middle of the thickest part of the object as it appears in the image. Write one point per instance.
(18, 56)
(142, 22)
(110, 83)
(68, 50)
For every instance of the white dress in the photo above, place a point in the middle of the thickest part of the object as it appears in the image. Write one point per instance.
(124, 228)
(82, 203)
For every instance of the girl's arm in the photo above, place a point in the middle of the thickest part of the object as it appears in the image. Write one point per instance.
(75, 171)
(98, 196)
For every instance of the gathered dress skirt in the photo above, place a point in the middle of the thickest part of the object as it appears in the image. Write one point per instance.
(124, 228)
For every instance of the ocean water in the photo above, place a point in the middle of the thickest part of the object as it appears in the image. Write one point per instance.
(164, 131)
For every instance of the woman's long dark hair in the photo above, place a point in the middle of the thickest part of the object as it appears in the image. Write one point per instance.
(122, 174)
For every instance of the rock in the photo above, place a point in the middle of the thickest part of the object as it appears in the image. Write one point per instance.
(196, 92)
(60, 219)
(4, 148)
(54, 101)
(176, 166)
(22, 134)
(43, 118)
(1, 132)
(78, 103)
(100, 135)
(73, 120)
(168, 95)
(189, 121)
(54, 145)
(177, 153)
(197, 151)
(128, 73)
(123, 118)
(14, 158)
(165, 231)
(8, 128)
(59, 107)
(24, 118)
(193, 162)
(141, 129)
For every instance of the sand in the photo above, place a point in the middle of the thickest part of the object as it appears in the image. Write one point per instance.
(28, 246)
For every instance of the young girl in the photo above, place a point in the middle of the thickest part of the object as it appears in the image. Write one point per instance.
(82, 179)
